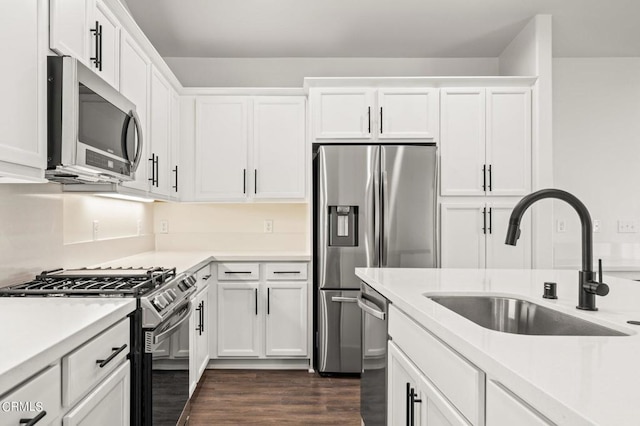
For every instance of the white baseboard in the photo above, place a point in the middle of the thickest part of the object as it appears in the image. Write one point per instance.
(260, 364)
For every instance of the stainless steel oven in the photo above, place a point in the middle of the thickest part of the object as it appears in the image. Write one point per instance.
(373, 381)
(94, 134)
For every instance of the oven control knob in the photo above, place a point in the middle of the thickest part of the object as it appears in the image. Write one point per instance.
(173, 294)
(168, 296)
(159, 303)
(189, 281)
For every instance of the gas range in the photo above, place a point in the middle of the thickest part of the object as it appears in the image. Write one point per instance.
(161, 291)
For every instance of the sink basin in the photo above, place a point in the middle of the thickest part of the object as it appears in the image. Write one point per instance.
(511, 315)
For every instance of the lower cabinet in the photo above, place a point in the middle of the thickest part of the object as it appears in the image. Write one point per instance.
(200, 332)
(412, 399)
(238, 319)
(286, 319)
(107, 404)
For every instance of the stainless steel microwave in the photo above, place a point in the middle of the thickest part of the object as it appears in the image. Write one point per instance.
(94, 133)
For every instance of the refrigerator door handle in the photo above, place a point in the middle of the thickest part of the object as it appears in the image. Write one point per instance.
(373, 209)
(384, 214)
(342, 299)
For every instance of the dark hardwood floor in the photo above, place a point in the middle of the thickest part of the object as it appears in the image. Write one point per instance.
(240, 397)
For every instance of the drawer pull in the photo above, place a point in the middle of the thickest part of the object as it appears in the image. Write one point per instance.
(286, 272)
(206, 277)
(33, 421)
(104, 362)
(237, 272)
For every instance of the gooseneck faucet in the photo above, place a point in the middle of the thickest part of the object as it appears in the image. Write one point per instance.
(588, 287)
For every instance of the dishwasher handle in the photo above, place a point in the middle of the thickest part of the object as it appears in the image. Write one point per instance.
(368, 309)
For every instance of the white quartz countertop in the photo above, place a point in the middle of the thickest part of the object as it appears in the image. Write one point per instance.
(572, 380)
(185, 260)
(38, 331)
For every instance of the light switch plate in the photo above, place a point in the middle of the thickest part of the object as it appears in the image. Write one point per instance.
(164, 227)
(627, 226)
(268, 226)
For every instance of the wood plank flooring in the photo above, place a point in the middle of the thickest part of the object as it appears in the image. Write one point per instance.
(241, 397)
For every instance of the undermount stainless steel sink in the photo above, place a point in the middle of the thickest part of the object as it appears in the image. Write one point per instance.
(517, 316)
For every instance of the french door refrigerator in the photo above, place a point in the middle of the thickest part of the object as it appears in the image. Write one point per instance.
(374, 206)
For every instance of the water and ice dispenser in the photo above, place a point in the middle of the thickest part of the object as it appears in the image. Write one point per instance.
(343, 226)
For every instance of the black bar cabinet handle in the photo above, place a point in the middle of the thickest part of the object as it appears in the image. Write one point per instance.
(100, 44)
(286, 272)
(33, 421)
(244, 181)
(175, 170)
(484, 177)
(256, 296)
(380, 120)
(153, 169)
(202, 314)
(490, 177)
(490, 219)
(412, 398)
(484, 220)
(255, 181)
(268, 301)
(157, 171)
(206, 277)
(104, 362)
(408, 401)
(95, 31)
(369, 119)
(237, 272)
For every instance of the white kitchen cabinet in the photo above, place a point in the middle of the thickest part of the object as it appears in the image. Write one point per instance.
(107, 405)
(135, 69)
(23, 104)
(200, 332)
(279, 147)
(408, 113)
(472, 236)
(369, 114)
(428, 407)
(160, 135)
(343, 113)
(108, 43)
(485, 141)
(239, 319)
(70, 28)
(506, 409)
(222, 137)
(286, 319)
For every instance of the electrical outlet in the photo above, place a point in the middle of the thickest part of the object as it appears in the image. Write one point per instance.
(596, 225)
(96, 229)
(268, 226)
(139, 227)
(561, 226)
(164, 227)
(627, 226)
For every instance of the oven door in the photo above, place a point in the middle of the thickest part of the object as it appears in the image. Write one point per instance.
(165, 379)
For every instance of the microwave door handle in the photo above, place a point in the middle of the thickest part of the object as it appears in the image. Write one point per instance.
(138, 156)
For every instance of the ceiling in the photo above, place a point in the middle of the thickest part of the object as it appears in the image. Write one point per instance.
(382, 28)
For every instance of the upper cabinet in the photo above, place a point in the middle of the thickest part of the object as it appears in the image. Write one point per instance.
(88, 31)
(250, 148)
(486, 141)
(23, 104)
(375, 114)
(160, 135)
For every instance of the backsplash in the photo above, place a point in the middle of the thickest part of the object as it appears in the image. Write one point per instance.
(42, 228)
(232, 227)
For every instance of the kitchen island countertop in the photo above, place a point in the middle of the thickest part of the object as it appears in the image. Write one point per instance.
(569, 379)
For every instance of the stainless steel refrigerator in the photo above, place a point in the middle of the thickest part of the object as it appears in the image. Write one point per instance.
(374, 205)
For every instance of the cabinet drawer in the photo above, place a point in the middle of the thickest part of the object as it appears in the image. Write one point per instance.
(81, 369)
(460, 382)
(238, 271)
(202, 277)
(44, 389)
(505, 409)
(286, 271)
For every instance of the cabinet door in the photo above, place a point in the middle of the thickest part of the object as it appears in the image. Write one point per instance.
(238, 319)
(70, 27)
(221, 148)
(279, 147)
(462, 239)
(135, 85)
(500, 255)
(286, 319)
(109, 44)
(202, 338)
(107, 404)
(23, 104)
(509, 141)
(505, 409)
(343, 113)
(462, 134)
(160, 133)
(408, 114)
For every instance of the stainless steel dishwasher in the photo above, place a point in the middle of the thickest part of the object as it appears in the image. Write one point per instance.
(373, 382)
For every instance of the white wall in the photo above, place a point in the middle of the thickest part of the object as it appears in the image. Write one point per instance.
(290, 72)
(529, 53)
(42, 229)
(232, 227)
(596, 150)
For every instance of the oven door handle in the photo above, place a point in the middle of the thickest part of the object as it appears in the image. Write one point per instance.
(184, 316)
(368, 309)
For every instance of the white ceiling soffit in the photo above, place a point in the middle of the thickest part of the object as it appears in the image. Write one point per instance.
(382, 28)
